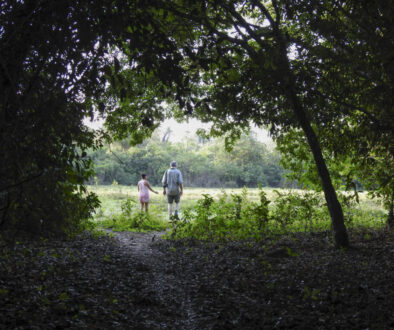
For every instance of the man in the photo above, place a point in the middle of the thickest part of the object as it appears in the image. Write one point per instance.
(173, 187)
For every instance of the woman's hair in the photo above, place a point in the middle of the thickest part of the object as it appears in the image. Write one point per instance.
(143, 176)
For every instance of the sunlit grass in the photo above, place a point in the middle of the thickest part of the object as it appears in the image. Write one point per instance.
(111, 196)
(368, 213)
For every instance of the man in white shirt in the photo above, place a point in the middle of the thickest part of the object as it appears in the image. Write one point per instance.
(173, 187)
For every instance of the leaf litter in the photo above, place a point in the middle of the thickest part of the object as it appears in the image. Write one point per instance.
(140, 281)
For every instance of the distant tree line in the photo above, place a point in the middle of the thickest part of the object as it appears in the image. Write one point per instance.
(203, 163)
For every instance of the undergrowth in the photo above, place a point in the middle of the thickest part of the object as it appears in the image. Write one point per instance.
(234, 217)
(131, 219)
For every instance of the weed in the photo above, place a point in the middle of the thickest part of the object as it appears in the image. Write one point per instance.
(228, 214)
(234, 217)
(131, 219)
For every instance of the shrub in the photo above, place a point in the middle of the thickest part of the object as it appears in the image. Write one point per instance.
(297, 210)
(231, 217)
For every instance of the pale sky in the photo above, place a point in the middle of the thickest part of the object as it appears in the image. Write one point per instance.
(180, 130)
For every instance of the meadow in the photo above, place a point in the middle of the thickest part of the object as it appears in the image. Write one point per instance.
(111, 197)
(211, 213)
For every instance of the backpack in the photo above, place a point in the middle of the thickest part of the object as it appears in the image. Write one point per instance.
(174, 188)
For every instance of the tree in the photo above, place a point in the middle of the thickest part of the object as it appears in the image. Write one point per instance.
(309, 65)
(236, 67)
(241, 52)
(355, 39)
(230, 62)
(55, 59)
(166, 135)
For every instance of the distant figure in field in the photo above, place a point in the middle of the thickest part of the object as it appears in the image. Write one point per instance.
(143, 192)
(173, 187)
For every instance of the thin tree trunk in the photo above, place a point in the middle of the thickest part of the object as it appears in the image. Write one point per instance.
(334, 207)
(390, 217)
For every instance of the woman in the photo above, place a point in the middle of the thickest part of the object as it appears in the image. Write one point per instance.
(143, 190)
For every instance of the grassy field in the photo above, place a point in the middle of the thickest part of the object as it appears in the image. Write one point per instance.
(112, 196)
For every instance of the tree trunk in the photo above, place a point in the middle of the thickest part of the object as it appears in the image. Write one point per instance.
(334, 207)
(390, 217)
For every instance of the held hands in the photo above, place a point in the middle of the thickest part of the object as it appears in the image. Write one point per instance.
(164, 192)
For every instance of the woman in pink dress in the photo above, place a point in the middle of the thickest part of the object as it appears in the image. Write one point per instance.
(143, 192)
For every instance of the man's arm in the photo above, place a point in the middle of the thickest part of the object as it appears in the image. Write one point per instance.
(164, 182)
(180, 180)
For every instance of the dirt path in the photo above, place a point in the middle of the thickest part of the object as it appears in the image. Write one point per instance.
(139, 281)
(233, 286)
(169, 286)
(137, 243)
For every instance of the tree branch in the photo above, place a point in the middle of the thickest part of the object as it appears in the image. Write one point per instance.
(244, 24)
(266, 13)
(277, 12)
(21, 182)
(7, 74)
(354, 107)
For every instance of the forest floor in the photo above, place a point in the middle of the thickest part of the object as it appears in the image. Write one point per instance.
(140, 281)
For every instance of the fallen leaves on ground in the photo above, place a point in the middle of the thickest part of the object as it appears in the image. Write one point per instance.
(138, 281)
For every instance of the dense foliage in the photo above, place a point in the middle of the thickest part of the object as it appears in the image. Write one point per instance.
(48, 61)
(55, 59)
(204, 164)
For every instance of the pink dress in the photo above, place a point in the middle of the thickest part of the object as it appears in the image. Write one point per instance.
(143, 192)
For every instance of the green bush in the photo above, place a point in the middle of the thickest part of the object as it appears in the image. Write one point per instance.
(299, 211)
(230, 217)
(234, 217)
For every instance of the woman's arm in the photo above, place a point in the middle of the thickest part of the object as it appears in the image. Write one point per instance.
(146, 183)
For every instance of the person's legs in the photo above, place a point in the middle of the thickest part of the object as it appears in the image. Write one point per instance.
(141, 206)
(146, 207)
(170, 200)
(177, 201)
